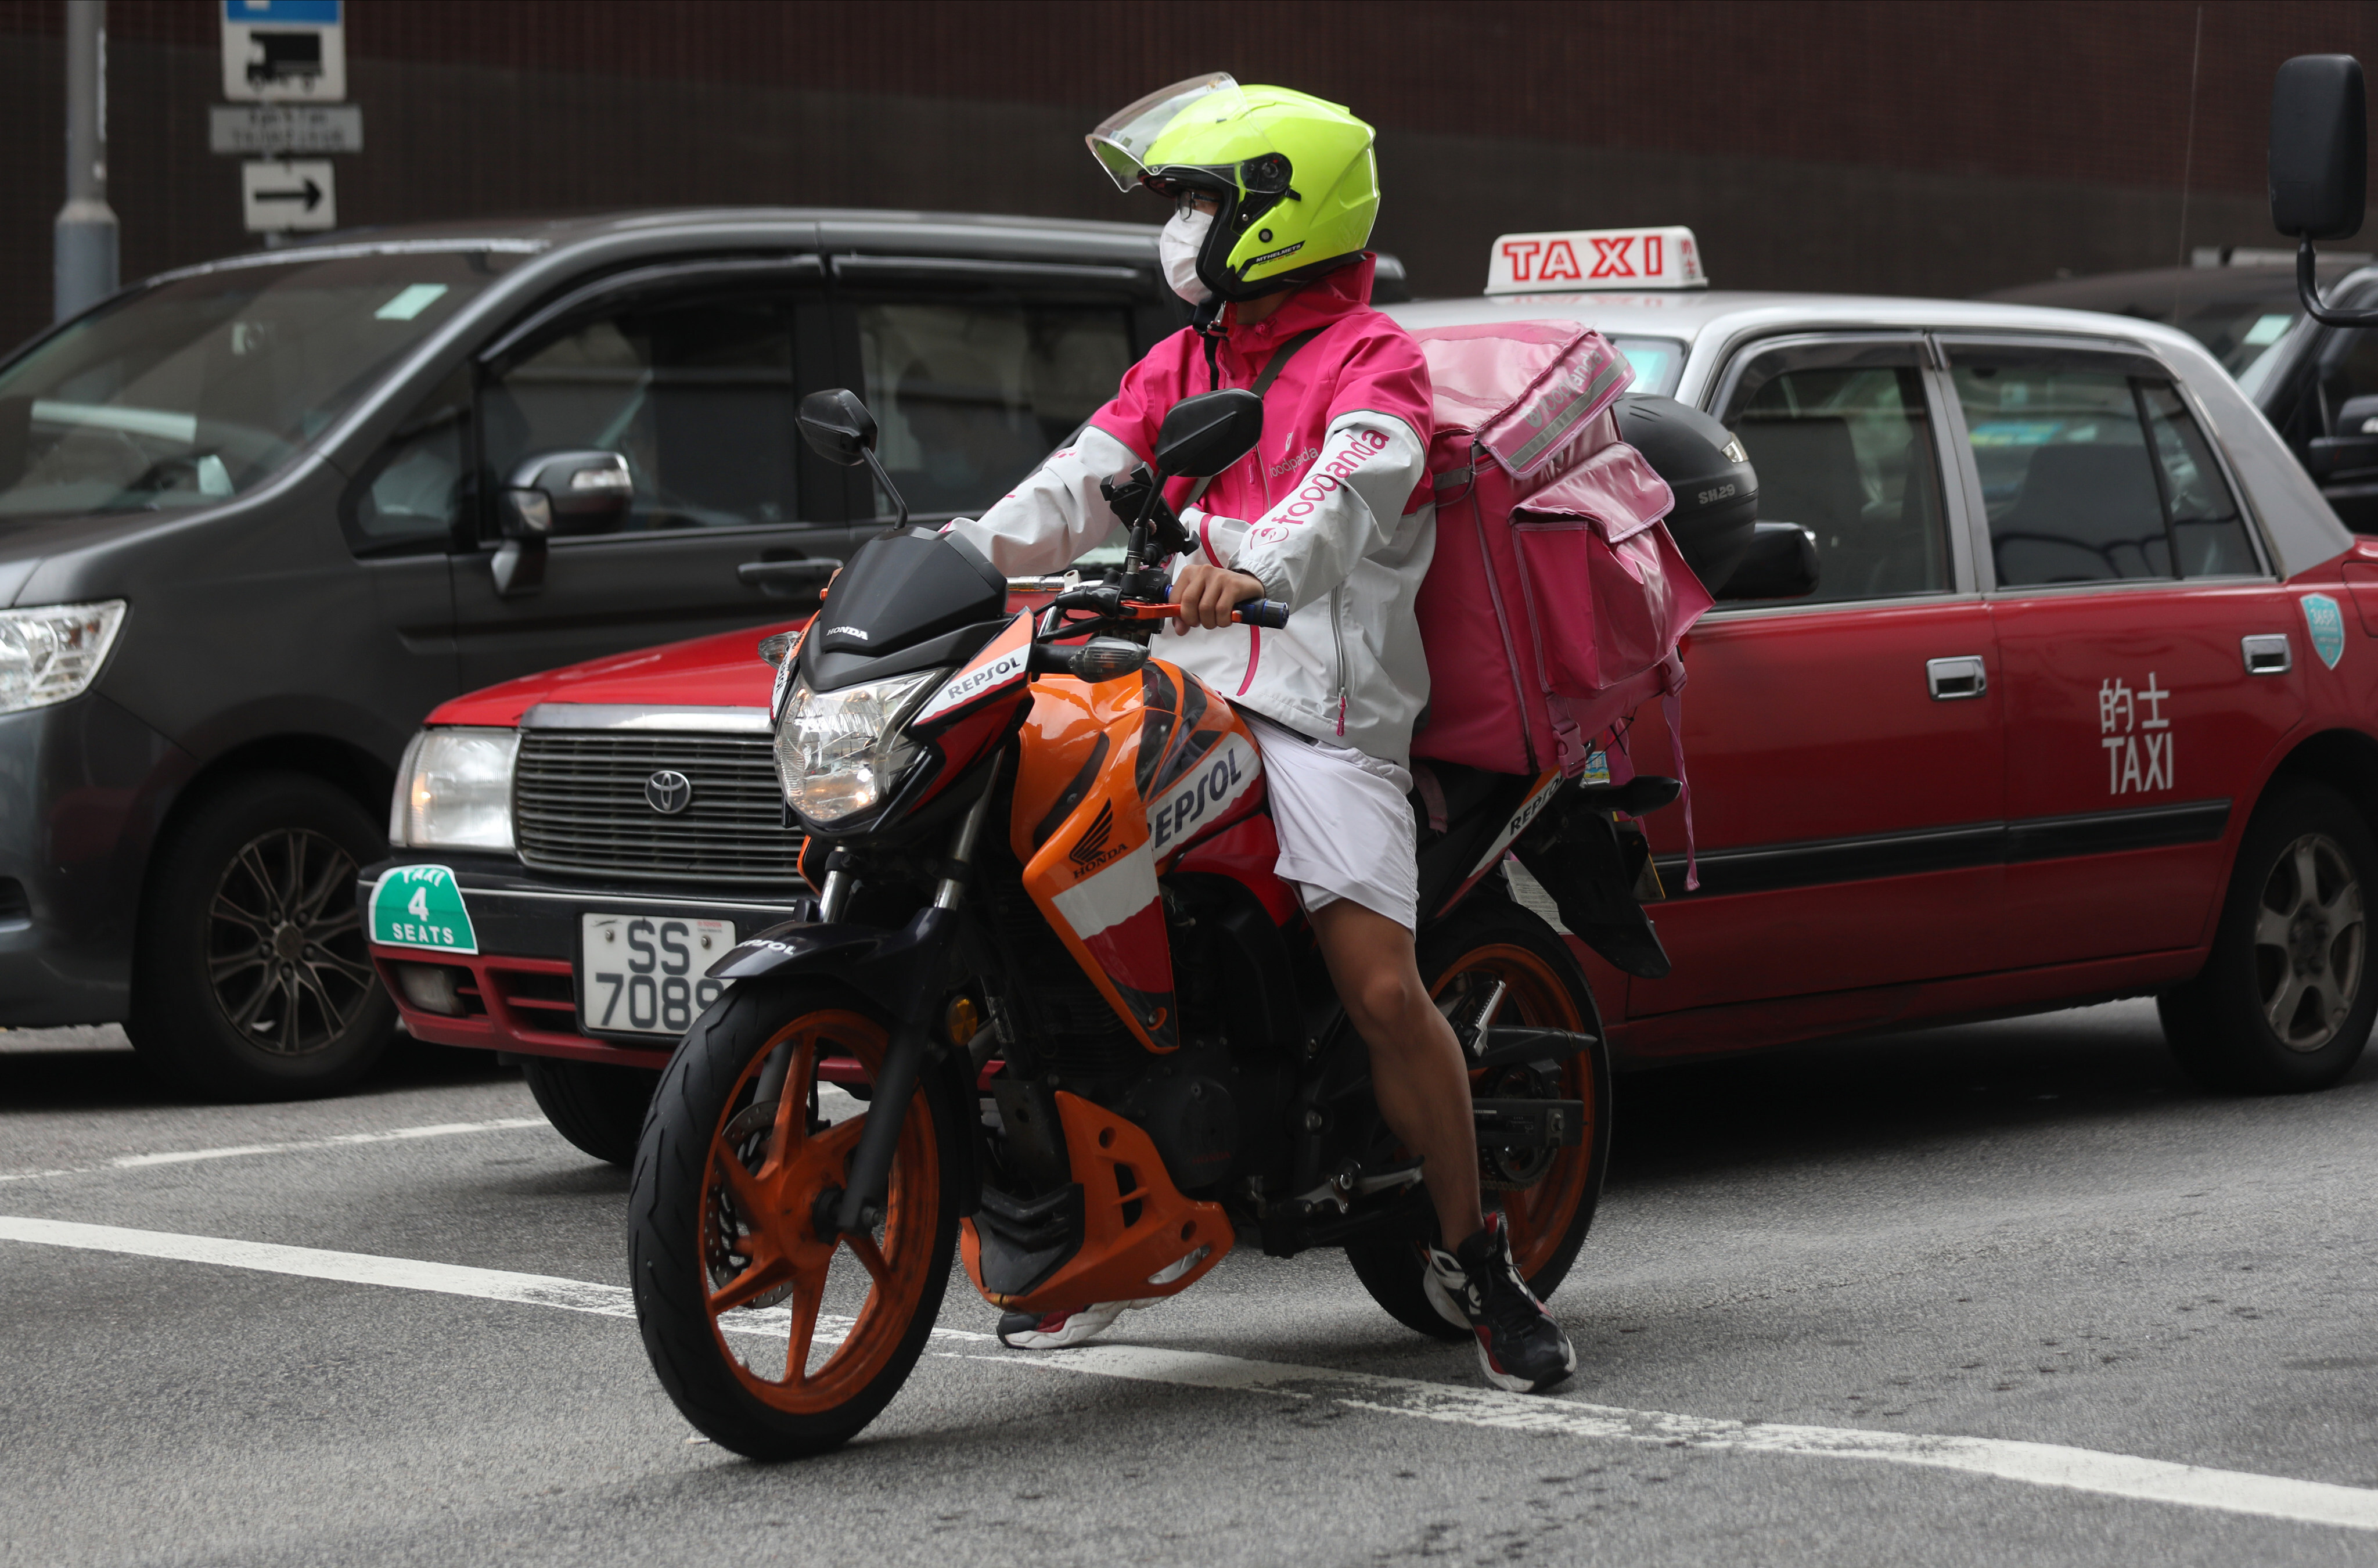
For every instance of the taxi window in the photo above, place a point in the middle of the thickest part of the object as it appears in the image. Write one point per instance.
(2078, 491)
(968, 397)
(697, 394)
(1847, 453)
(1658, 363)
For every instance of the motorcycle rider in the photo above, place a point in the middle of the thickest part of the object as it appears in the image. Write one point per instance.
(1274, 193)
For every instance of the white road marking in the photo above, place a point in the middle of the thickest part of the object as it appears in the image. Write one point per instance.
(238, 1151)
(2037, 1464)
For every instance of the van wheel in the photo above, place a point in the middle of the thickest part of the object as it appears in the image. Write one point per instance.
(2285, 1003)
(598, 1107)
(250, 979)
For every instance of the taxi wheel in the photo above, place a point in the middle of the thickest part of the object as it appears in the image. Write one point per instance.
(250, 979)
(2286, 1001)
(598, 1107)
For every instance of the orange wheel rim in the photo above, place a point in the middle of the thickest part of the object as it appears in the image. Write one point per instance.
(771, 1286)
(1539, 1214)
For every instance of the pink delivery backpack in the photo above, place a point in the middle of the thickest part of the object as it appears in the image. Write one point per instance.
(1557, 598)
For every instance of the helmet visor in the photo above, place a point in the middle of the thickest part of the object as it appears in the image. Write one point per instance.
(1122, 139)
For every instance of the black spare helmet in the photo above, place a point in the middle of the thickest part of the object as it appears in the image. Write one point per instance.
(1716, 488)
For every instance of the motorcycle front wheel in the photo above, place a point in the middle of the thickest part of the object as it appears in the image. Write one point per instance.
(773, 1341)
(1548, 1198)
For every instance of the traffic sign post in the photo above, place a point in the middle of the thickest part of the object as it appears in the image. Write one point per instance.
(283, 52)
(285, 67)
(272, 130)
(297, 194)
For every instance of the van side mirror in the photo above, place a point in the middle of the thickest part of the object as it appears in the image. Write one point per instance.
(1206, 434)
(840, 429)
(556, 492)
(2319, 166)
(1780, 562)
(2320, 146)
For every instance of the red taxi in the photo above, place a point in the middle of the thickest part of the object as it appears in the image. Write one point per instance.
(2085, 704)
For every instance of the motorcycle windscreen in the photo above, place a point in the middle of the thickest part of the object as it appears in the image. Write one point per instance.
(910, 598)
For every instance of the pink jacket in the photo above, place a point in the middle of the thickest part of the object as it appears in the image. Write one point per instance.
(1330, 511)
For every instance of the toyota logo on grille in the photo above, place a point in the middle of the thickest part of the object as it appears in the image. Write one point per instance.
(668, 792)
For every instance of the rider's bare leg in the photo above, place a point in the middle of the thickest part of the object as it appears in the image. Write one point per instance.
(1417, 1070)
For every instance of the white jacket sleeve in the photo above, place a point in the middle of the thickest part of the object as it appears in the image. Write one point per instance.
(1348, 505)
(1055, 513)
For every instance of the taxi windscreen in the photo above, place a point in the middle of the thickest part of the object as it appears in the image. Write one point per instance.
(200, 388)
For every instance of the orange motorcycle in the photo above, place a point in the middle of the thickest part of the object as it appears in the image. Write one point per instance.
(1053, 1011)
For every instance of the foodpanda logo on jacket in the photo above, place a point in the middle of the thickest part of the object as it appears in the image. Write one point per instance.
(1354, 448)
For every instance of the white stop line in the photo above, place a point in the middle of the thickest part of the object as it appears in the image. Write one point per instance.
(2039, 1463)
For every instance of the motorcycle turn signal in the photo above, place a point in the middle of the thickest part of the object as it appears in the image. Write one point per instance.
(1100, 659)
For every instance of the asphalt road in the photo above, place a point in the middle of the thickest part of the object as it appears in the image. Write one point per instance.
(2013, 1293)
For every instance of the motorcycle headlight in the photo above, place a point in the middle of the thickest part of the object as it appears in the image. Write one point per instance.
(53, 653)
(840, 753)
(454, 790)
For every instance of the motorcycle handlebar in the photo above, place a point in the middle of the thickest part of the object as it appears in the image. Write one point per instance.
(1248, 612)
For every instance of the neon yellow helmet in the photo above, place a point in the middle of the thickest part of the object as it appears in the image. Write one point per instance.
(1296, 177)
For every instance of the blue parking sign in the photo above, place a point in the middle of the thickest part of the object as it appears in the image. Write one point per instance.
(286, 13)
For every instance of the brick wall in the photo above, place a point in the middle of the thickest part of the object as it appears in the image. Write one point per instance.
(1825, 144)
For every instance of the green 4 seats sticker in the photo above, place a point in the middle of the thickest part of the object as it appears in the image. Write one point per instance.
(419, 906)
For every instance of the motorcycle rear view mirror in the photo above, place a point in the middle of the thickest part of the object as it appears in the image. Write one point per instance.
(2319, 165)
(1206, 434)
(840, 429)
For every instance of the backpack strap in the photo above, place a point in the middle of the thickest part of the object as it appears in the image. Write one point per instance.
(1270, 373)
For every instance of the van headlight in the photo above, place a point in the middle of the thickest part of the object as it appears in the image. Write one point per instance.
(454, 790)
(54, 653)
(840, 753)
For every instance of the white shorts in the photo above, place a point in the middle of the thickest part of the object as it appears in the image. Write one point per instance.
(1345, 825)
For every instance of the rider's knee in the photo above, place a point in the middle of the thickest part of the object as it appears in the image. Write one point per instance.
(1383, 1000)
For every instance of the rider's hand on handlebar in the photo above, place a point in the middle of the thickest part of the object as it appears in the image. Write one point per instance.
(1207, 595)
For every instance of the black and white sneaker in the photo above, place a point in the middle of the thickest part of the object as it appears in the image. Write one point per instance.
(1478, 1288)
(1063, 1329)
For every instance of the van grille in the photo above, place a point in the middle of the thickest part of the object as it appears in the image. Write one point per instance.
(577, 805)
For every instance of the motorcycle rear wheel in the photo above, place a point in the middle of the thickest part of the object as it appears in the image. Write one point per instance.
(1486, 940)
(771, 1341)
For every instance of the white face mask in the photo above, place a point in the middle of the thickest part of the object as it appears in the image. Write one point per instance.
(1177, 248)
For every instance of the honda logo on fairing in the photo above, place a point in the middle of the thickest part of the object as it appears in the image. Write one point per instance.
(668, 792)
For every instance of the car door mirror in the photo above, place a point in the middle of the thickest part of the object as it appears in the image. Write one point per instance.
(1780, 562)
(840, 429)
(555, 492)
(567, 492)
(1206, 434)
(2319, 146)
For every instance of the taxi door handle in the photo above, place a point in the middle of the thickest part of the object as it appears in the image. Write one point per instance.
(1951, 678)
(2267, 654)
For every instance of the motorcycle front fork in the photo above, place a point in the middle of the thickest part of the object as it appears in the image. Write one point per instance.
(922, 950)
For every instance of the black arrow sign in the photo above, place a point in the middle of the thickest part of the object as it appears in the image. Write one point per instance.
(311, 196)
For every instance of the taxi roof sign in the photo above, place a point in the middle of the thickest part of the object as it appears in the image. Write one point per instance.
(1577, 259)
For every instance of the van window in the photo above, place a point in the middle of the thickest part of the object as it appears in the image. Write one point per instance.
(411, 494)
(969, 397)
(698, 396)
(1847, 453)
(192, 390)
(2076, 491)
